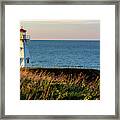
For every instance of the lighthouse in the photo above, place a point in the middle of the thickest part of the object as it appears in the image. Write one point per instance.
(24, 48)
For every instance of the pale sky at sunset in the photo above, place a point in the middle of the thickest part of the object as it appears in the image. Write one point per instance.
(62, 29)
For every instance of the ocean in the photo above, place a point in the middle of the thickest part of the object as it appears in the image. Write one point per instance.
(65, 54)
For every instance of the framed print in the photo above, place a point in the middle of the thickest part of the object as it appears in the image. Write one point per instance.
(60, 60)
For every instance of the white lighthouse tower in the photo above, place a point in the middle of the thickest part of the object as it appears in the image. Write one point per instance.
(24, 50)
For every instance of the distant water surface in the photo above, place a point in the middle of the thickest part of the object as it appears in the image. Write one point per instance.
(65, 53)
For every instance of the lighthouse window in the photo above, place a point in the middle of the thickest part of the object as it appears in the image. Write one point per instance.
(27, 59)
(21, 48)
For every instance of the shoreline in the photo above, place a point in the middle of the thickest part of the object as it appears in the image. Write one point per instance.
(60, 69)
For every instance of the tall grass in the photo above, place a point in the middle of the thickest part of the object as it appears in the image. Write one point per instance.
(57, 84)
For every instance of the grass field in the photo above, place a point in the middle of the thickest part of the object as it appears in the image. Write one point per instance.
(59, 84)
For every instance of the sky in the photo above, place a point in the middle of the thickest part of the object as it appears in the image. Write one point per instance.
(62, 29)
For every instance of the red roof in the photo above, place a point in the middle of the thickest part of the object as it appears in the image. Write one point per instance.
(22, 30)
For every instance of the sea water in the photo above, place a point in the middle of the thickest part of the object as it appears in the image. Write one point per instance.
(65, 53)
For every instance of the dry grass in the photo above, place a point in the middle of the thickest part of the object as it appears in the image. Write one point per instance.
(59, 84)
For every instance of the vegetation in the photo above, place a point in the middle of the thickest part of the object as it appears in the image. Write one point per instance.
(59, 84)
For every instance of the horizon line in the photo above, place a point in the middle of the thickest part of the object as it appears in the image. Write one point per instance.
(65, 39)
